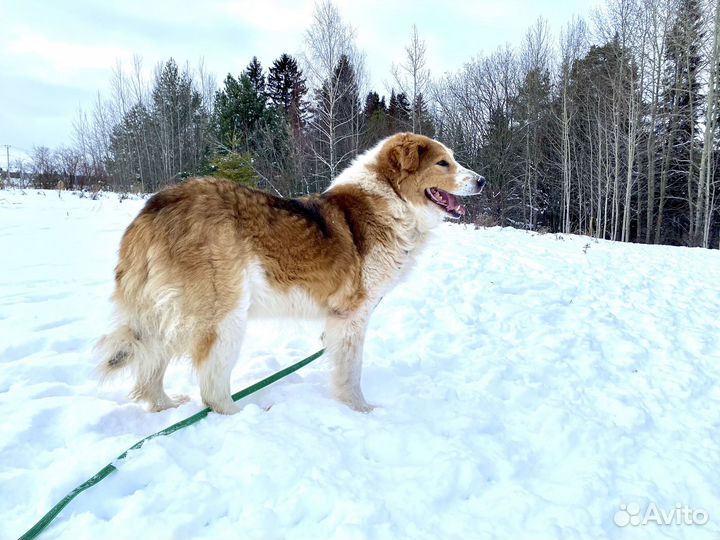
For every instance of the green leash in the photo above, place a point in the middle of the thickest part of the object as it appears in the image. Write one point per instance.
(41, 525)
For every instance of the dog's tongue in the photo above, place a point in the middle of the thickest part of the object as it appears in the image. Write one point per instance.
(453, 205)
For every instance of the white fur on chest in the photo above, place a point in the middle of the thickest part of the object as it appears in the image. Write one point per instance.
(266, 301)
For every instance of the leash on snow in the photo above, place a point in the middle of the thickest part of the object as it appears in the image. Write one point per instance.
(41, 525)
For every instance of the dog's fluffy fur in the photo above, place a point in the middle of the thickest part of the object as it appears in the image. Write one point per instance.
(204, 256)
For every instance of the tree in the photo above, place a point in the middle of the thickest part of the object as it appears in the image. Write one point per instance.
(623, 28)
(147, 135)
(532, 113)
(412, 77)
(245, 125)
(179, 120)
(658, 28)
(706, 185)
(133, 160)
(330, 55)
(255, 73)
(572, 42)
(238, 110)
(680, 106)
(500, 148)
(286, 88)
(236, 167)
(45, 167)
(423, 119)
(346, 115)
(600, 85)
(375, 120)
(399, 113)
(276, 154)
(474, 115)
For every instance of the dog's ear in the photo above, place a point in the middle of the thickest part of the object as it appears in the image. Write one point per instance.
(407, 152)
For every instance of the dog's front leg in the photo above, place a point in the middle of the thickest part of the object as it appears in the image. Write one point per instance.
(344, 337)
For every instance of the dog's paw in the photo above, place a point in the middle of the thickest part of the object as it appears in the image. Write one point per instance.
(360, 406)
(353, 397)
(179, 399)
(364, 408)
(224, 408)
(169, 402)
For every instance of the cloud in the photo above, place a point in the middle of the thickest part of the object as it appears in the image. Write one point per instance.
(49, 59)
(270, 16)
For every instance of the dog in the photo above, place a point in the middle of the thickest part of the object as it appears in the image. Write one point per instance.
(204, 256)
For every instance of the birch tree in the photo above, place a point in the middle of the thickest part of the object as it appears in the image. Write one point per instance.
(706, 181)
(572, 44)
(412, 76)
(330, 54)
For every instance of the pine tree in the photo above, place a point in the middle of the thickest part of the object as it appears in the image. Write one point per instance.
(423, 121)
(532, 114)
(404, 108)
(392, 106)
(498, 156)
(130, 159)
(372, 103)
(239, 109)
(375, 121)
(236, 167)
(286, 89)
(399, 113)
(178, 118)
(255, 73)
(349, 102)
(680, 107)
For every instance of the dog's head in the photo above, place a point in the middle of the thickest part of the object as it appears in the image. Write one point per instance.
(424, 173)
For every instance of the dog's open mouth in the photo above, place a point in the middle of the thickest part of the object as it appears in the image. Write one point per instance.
(446, 201)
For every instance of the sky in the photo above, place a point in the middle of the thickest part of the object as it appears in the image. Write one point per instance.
(56, 56)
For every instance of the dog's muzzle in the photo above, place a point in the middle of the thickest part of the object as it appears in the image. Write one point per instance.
(472, 183)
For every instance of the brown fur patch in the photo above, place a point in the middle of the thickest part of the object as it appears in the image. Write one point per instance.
(204, 345)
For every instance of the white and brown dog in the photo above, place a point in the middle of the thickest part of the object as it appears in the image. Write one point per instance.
(204, 256)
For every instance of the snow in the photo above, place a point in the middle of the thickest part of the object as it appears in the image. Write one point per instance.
(527, 386)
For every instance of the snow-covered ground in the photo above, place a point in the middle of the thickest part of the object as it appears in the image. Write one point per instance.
(527, 386)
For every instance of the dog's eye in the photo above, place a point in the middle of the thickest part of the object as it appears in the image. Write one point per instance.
(443, 163)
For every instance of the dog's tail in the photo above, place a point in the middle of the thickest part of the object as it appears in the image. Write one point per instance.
(117, 350)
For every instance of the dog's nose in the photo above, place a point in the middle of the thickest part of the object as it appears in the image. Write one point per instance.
(480, 182)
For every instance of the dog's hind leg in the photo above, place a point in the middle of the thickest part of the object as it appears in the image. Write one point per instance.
(214, 358)
(149, 373)
(343, 339)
